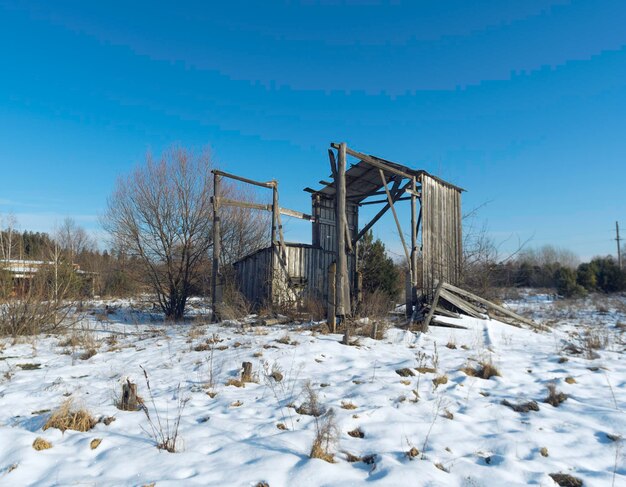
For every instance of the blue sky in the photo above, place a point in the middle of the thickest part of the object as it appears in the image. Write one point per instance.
(521, 103)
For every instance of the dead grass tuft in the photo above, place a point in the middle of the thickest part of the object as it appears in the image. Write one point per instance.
(566, 480)
(405, 372)
(544, 451)
(356, 433)
(41, 444)
(555, 398)
(87, 354)
(326, 437)
(412, 453)
(66, 417)
(95, 443)
(348, 405)
(236, 383)
(440, 380)
(523, 407)
(570, 380)
(484, 370)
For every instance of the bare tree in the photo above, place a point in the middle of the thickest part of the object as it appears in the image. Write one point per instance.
(73, 239)
(161, 214)
(7, 237)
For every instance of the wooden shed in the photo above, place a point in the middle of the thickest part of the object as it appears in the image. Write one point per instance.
(326, 269)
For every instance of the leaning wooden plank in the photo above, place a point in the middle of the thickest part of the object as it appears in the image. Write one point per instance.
(443, 324)
(295, 214)
(489, 304)
(444, 312)
(461, 304)
(430, 314)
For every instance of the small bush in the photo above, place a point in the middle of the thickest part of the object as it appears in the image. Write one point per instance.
(311, 406)
(41, 444)
(66, 417)
(326, 437)
(484, 370)
(554, 398)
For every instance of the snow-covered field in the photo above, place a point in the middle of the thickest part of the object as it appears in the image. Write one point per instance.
(463, 433)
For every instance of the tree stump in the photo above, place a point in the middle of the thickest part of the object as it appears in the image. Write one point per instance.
(246, 373)
(128, 401)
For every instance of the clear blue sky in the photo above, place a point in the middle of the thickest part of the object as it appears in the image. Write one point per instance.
(521, 103)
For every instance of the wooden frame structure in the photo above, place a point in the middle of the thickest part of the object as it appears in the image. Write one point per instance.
(327, 268)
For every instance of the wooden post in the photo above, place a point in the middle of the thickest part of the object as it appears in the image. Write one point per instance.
(331, 316)
(274, 255)
(246, 373)
(342, 282)
(128, 401)
(408, 295)
(413, 263)
(216, 288)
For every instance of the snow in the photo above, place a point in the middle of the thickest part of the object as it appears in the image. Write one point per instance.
(479, 443)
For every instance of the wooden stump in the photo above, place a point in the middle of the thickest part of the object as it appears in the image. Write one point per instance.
(246, 373)
(129, 401)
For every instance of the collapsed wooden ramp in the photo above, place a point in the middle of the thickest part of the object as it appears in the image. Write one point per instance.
(451, 301)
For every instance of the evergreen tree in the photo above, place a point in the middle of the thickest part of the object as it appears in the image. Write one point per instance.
(377, 268)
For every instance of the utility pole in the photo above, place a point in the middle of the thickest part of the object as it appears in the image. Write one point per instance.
(619, 250)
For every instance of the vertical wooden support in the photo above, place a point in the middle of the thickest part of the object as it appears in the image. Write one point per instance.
(216, 288)
(128, 401)
(316, 221)
(342, 282)
(274, 252)
(331, 316)
(413, 263)
(408, 295)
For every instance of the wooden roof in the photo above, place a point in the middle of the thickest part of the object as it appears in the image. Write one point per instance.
(363, 179)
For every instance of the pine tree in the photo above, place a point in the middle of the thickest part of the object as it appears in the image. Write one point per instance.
(377, 268)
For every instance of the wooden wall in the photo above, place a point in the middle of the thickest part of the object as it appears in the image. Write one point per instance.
(442, 250)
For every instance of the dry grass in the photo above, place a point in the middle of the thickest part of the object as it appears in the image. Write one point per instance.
(348, 405)
(95, 443)
(356, 433)
(67, 417)
(311, 405)
(405, 372)
(544, 452)
(522, 407)
(235, 383)
(87, 354)
(412, 453)
(484, 370)
(566, 480)
(326, 437)
(570, 380)
(554, 398)
(440, 380)
(41, 444)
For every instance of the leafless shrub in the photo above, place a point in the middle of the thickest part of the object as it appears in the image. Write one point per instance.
(555, 398)
(326, 437)
(164, 431)
(234, 306)
(311, 405)
(375, 305)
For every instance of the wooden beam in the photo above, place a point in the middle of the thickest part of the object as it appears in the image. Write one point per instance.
(376, 202)
(378, 215)
(433, 306)
(269, 184)
(259, 206)
(375, 162)
(461, 304)
(395, 215)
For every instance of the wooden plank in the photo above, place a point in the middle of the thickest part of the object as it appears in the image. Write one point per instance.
(444, 312)
(258, 206)
(461, 304)
(489, 304)
(443, 324)
(433, 305)
(395, 215)
(269, 184)
(377, 202)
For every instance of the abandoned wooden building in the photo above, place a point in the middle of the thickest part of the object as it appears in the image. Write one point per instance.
(326, 270)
